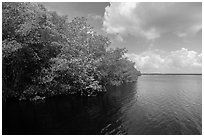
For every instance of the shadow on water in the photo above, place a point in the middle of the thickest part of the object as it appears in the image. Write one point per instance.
(70, 114)
(154, 105)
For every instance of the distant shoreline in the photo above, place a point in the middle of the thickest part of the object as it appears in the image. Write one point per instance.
(171, 74)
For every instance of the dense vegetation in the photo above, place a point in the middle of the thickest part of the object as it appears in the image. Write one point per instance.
(44, 54)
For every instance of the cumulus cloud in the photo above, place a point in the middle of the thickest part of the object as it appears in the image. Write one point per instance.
(180, 61)
(151, 20)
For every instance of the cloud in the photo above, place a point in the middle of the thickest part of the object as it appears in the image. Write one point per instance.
(120, 18)
(180, 61)
(95, 17)
(119, 38)
(151, 20)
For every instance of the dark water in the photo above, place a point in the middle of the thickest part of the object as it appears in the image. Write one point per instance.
(153, 105)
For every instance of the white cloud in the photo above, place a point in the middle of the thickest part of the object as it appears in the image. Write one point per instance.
(151, 20)
(151, 34)
(180, 61)
(95, 17)
(181, 34)
(120, 19)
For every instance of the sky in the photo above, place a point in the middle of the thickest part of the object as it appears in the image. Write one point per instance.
(160, 37)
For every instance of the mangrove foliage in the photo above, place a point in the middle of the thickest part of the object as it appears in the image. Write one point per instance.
(45, 54)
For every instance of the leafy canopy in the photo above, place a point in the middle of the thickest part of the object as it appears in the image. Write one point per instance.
(45, 54)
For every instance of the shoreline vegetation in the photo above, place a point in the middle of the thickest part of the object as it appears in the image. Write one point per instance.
(44, 54)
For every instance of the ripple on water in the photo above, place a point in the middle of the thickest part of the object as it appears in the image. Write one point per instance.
(154, 105)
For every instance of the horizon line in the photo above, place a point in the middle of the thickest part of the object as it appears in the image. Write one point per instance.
(157, 73)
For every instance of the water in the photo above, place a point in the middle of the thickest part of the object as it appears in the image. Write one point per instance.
(155, 104)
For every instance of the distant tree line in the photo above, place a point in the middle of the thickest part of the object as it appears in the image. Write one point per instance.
(44, 54)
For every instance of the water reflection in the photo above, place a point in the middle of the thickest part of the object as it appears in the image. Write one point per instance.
(153, 105)
(71, 114)
(118, 102)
